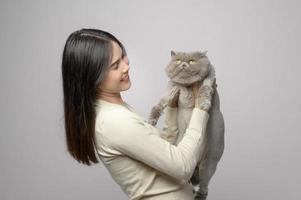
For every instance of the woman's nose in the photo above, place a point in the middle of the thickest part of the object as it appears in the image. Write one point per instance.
(126, 67)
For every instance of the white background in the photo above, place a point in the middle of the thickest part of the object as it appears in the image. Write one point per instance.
(254, 46)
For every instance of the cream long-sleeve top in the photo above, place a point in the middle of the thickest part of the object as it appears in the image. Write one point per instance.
(144, 161)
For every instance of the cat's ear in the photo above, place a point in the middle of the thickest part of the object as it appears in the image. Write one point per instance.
(205, 52)
(172, 53)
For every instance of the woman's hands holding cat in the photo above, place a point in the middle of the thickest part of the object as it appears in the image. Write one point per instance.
(203, 95)
(173, 102)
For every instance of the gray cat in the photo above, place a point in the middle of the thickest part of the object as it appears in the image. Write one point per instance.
(184, 69)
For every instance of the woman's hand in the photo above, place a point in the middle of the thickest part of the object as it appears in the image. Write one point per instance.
(173, 102)
(198, 93)
(203, 95)
(195, 91)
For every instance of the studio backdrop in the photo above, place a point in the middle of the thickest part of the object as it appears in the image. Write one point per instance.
(253, 45)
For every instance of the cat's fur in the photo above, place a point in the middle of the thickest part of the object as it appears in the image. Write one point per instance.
(183, 70)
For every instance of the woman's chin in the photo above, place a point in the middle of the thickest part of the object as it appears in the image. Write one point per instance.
(126, 85)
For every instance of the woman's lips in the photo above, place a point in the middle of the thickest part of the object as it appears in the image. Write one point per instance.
(126, 78)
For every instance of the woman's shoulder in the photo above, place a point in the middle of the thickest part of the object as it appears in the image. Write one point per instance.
(108, 114)
(108, 119)
(114, 123)
(116, 115)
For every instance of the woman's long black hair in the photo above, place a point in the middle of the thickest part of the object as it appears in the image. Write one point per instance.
(86, 58)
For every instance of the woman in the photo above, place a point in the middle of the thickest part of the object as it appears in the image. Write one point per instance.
(98, 122)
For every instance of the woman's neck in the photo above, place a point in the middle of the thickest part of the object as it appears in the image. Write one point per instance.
(111, 97)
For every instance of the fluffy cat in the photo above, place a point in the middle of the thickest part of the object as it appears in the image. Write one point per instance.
(184, 69)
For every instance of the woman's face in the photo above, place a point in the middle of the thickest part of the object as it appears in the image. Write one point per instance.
(117, 78)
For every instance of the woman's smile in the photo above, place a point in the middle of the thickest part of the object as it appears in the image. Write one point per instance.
(126, 78)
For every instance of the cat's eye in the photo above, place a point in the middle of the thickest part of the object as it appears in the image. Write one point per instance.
(191, 62)
(178, 61)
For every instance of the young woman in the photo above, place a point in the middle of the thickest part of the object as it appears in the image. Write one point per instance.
(100, 124)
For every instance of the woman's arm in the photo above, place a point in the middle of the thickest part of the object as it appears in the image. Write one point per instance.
(133, 138)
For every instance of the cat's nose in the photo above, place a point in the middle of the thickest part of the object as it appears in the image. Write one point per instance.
(184, 65)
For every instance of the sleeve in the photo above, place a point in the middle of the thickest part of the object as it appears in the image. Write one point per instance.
(170, 128)
(131, 137)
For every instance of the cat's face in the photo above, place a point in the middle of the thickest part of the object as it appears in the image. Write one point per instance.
(188, 67)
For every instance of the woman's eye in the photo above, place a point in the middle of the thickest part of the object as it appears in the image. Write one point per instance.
(116, 66)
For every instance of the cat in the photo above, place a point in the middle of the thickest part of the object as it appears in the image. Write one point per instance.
(184, 69)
